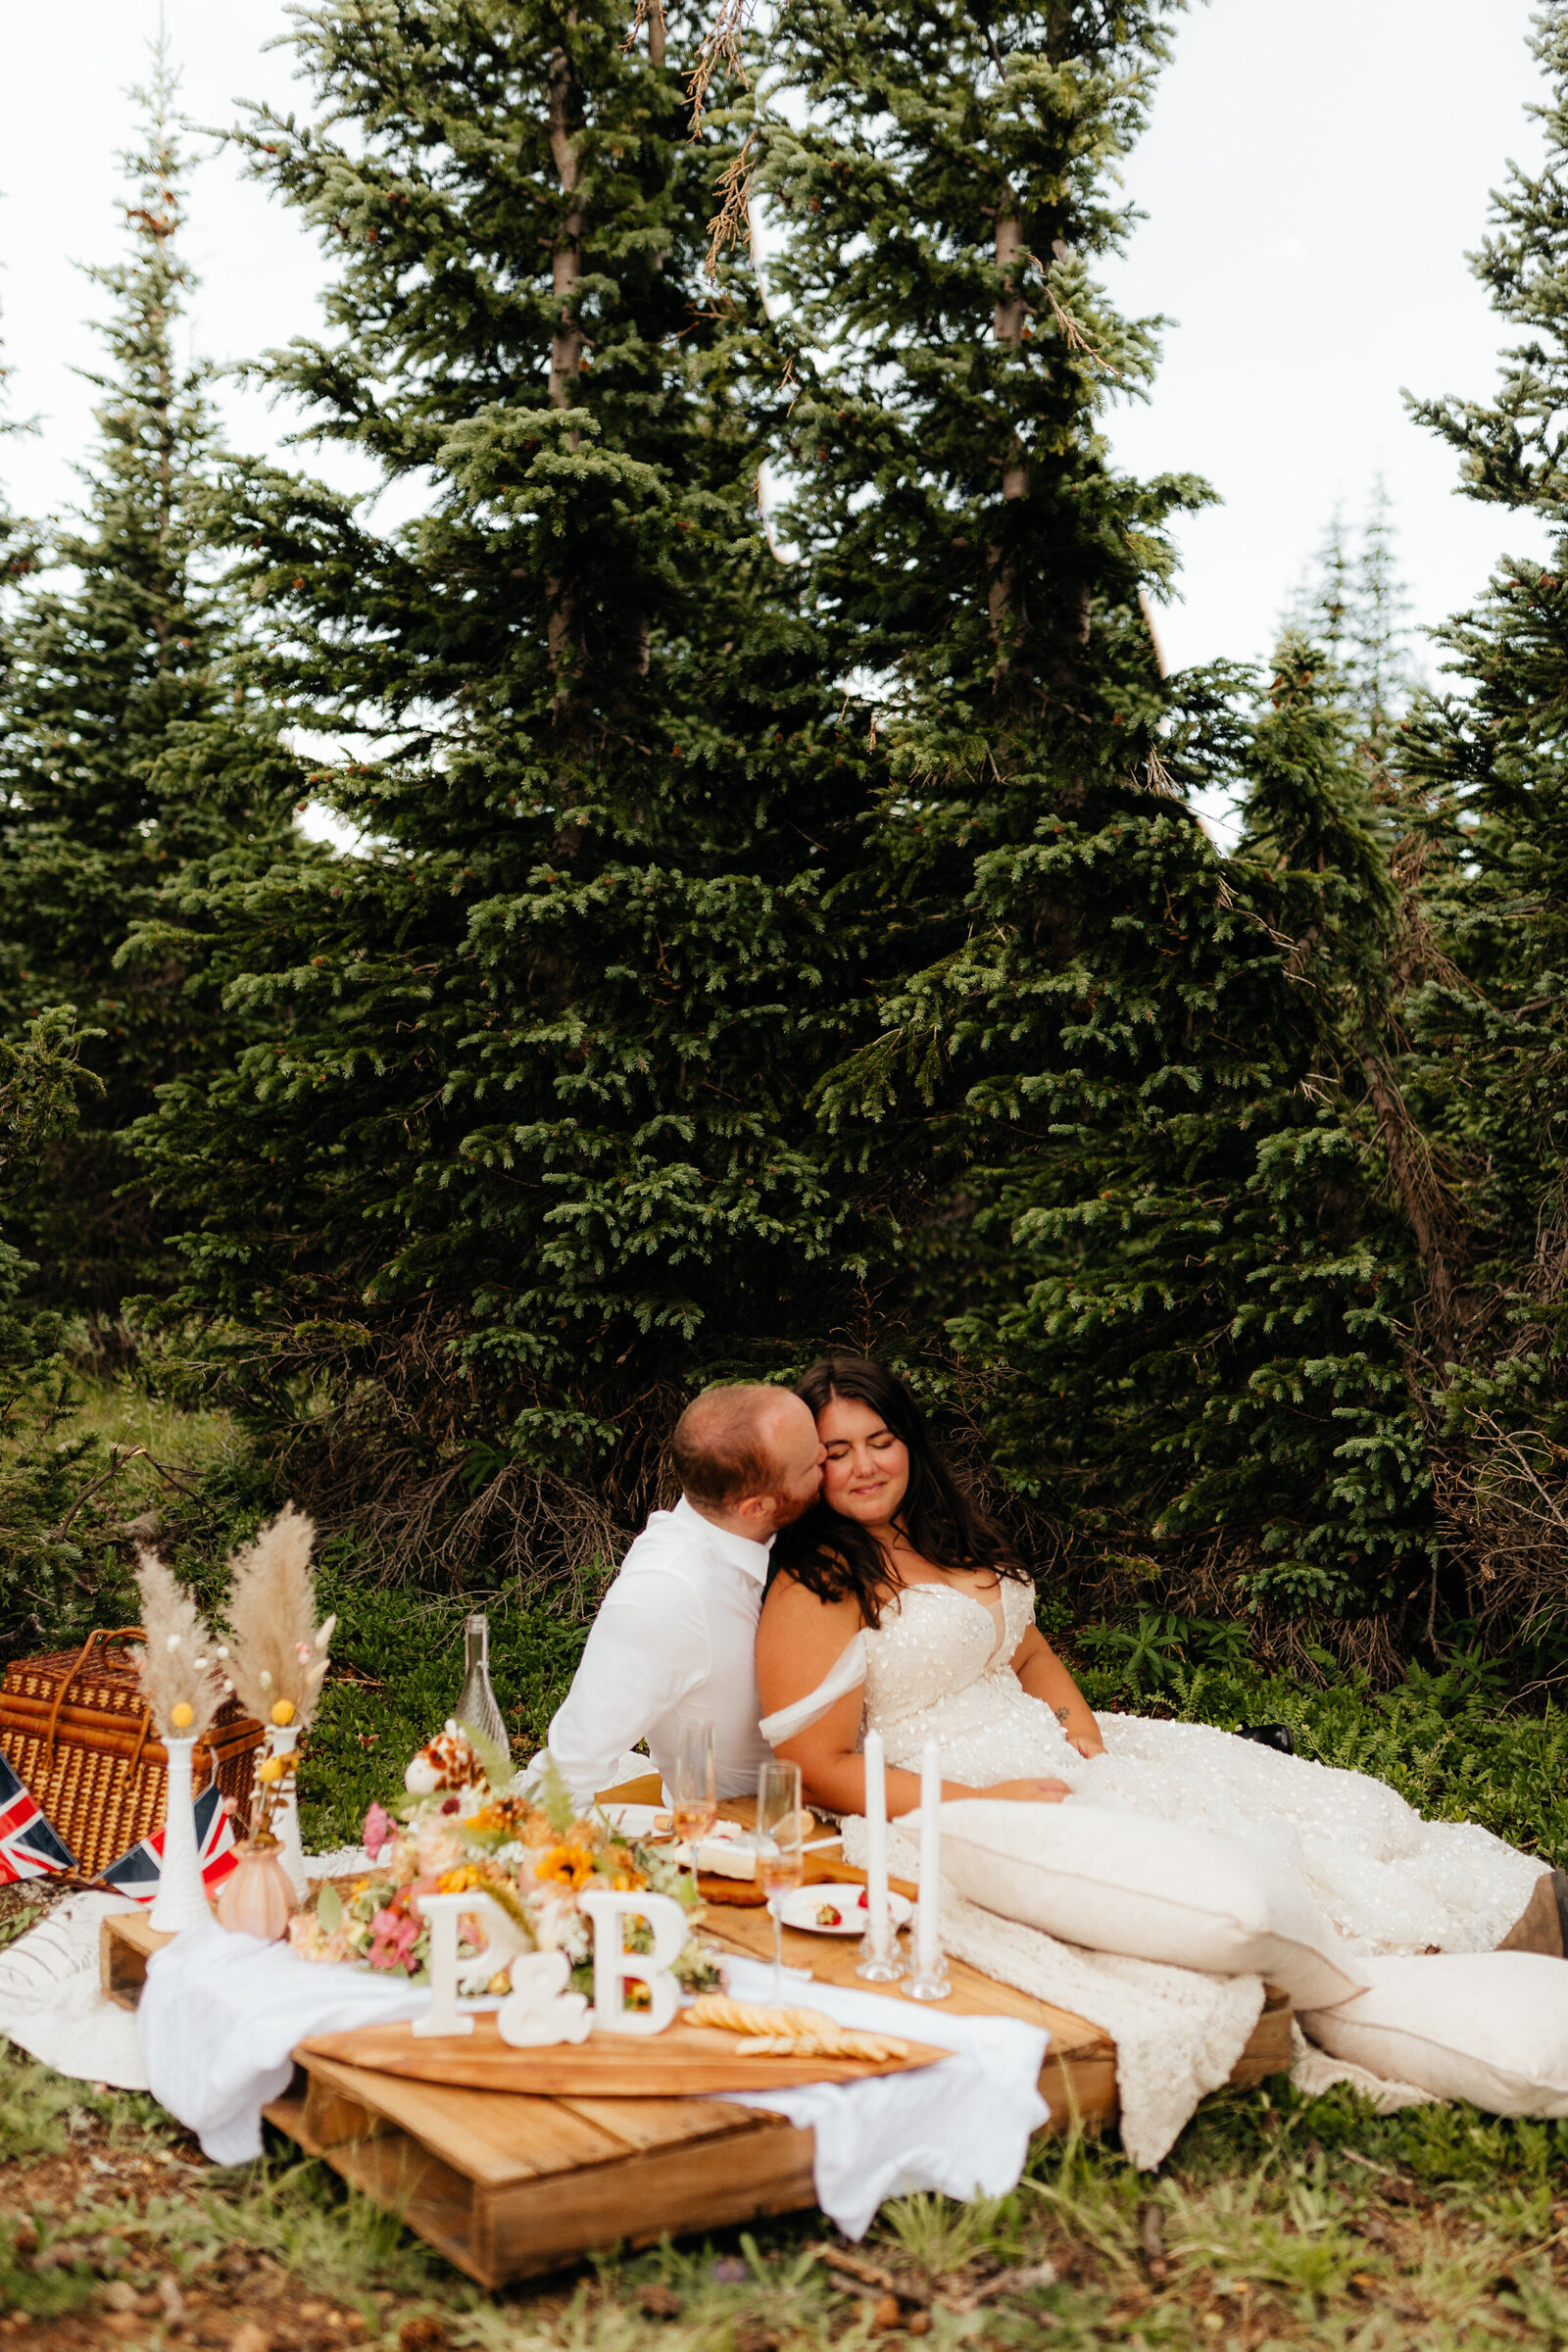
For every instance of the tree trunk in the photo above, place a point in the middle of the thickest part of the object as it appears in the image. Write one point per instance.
(1420, 1193)
(566, 347)
(1007, 322)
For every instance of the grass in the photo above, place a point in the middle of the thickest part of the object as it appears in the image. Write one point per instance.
(1277, 2221)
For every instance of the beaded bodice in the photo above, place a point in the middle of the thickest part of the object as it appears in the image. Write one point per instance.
(940, 1666)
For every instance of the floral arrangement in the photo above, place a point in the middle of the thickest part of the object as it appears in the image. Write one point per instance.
(467, 1824)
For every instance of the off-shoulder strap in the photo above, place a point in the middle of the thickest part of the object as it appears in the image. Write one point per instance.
(847, 1675)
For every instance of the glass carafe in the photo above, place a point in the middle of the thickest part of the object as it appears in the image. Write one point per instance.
(477, 1702)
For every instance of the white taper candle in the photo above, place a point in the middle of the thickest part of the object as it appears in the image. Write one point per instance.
(876, 1844)
(927, 1946)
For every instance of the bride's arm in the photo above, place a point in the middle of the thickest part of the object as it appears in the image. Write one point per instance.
(1045, 1677)
(799, 1642)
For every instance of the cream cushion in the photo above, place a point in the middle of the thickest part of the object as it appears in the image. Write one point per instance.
(1150, 1889)
(1488, 2027)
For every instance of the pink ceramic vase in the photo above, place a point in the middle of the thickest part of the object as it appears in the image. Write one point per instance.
(256, 1898)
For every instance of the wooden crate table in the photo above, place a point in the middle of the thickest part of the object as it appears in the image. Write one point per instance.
(507, 2186)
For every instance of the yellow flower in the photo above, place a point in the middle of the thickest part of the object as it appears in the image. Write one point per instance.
(272, 1769)
(283, 1712)
(182, 1716)
(565, 1866)
(627, 1882)
(458, 1880)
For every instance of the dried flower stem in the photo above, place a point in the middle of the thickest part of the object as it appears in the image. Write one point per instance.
(176, 1668)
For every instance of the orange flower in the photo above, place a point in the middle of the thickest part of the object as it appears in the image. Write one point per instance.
(458, 1880)
(565, 1866)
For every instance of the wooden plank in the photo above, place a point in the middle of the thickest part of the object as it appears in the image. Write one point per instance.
(1268, 2050)
(647, 1789)
(126, 1940)
(694, 2164)
(1078, 2080)
(684, 2062)
(495, 2138)
(832, 1960)
(660, 2122)
(767, 2167)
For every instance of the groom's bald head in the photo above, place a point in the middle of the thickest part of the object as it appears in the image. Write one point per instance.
(739, 1446)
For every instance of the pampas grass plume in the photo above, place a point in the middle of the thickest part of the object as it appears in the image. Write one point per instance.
(175, 1667)
(276, 1651)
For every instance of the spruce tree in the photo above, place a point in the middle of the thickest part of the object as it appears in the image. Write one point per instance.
(1116, 1107)
(114, 647)
(1355, 608)
(533, 1147)
(1488, 1011)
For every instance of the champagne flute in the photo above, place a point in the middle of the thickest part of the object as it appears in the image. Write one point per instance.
(780, 1860)
(694, 1785)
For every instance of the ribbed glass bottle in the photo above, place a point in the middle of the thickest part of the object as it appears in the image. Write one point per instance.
(477, 1702)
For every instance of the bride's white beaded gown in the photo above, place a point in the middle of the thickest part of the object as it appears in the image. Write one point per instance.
(938, 1667)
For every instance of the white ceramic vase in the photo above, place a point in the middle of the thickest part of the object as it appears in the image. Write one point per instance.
(281, 1740)
(181, 1897)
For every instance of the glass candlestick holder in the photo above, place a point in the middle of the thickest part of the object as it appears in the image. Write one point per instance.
(929, 1980)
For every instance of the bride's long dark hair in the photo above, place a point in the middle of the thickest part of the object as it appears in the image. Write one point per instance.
(837, 1558)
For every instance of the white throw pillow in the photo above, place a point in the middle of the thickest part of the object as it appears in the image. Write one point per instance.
(1488, 2027)
(1150, 1889)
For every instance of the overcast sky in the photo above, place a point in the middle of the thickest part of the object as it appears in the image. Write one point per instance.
(1315, 173)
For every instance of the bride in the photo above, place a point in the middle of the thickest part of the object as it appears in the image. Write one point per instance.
(895, 1605)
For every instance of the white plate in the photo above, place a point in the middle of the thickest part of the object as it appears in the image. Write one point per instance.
(800, 1907)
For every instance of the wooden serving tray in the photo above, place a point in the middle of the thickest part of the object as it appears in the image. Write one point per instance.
(683, 2062)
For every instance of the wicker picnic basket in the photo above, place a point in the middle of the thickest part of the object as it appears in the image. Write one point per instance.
(73, 1724)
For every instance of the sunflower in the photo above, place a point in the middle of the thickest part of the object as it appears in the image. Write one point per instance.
(565, 1866)
(458, 1880)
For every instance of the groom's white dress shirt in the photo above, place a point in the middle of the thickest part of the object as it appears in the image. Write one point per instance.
(674, 1640)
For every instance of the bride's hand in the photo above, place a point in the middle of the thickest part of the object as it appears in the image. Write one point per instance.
(1029, 1792)
(1089, 1751)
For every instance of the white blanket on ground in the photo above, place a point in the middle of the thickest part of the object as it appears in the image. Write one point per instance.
(963, 2127)
(50, 2002)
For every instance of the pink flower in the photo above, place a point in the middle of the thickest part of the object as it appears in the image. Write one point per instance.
(395, 1936)
(377, 1831)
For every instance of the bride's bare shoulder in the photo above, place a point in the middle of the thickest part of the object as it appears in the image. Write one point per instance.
(800, 1636)
(793, 1613)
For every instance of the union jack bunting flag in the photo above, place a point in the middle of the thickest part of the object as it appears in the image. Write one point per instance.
(29, 1846)
(138, 1873)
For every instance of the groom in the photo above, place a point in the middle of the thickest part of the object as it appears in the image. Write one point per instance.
(675, 1634)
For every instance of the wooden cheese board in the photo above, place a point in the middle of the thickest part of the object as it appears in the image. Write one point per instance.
(682, 2063)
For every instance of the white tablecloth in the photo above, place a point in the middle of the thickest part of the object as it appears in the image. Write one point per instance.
(221, 2013)
(963, 2127)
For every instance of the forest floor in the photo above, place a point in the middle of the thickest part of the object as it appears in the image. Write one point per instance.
(1278, 2221)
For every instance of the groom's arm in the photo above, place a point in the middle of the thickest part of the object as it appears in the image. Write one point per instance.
(647, 1648)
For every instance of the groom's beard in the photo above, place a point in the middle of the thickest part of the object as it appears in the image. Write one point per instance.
(787, 1512)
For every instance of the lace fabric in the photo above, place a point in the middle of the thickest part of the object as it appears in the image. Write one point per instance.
(937, 1667)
